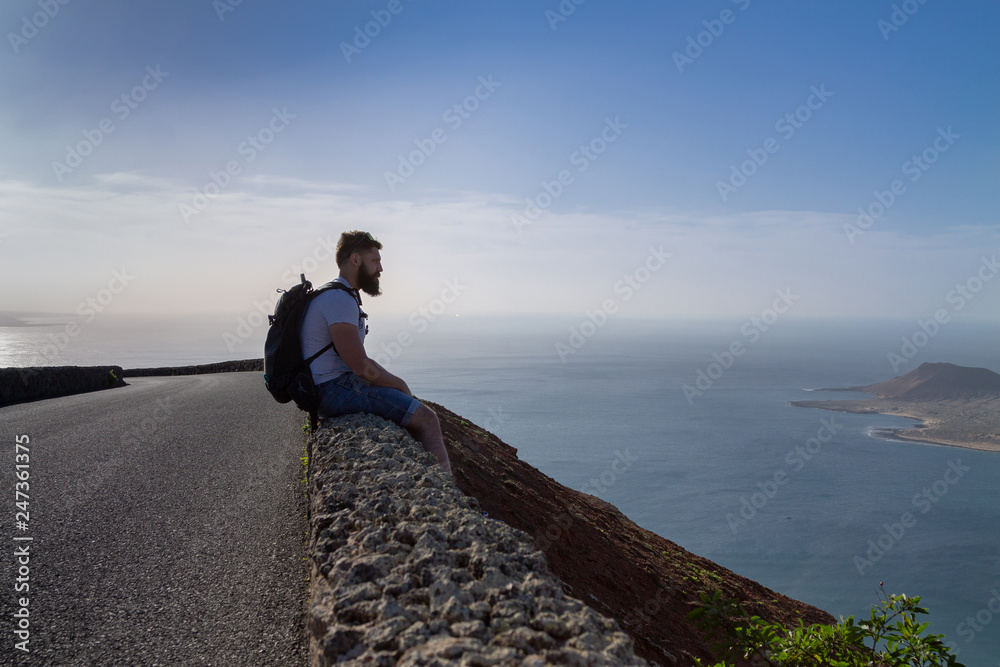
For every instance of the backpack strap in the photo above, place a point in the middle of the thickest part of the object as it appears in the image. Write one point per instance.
(334, 284)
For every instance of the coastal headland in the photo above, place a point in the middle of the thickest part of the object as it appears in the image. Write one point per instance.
(953, 405)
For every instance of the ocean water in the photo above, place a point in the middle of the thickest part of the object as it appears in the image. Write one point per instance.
(809, 502)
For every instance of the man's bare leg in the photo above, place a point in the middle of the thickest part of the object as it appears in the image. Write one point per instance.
(425, 427)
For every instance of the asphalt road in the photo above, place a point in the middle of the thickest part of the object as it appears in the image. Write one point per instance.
(168, 526)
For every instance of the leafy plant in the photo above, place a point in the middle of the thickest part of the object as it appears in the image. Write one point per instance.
(891, 637)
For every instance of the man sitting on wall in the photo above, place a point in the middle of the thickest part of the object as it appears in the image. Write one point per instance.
(349, 381)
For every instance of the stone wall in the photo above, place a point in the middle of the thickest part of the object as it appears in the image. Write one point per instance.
(218, 367)
(29, 384)
(407, 570)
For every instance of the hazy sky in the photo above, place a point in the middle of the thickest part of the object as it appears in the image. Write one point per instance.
(192, 156)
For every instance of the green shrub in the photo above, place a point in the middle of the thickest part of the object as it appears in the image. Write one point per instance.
(890, 638)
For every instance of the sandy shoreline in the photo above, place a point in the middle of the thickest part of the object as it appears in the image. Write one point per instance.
(971, 424)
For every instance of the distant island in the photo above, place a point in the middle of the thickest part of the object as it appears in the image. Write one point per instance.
(954, 405)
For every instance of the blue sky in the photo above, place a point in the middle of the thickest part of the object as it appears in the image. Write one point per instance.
(821, 106)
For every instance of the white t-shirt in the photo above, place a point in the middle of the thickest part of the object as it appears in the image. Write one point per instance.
(330, 307)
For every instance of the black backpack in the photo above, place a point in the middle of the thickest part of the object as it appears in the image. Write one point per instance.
(286, 374)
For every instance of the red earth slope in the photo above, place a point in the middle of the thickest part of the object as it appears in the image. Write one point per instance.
(646, 582)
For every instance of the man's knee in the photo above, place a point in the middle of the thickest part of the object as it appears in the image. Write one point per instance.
(424, 418)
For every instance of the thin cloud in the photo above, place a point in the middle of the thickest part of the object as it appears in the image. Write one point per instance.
(253, 235)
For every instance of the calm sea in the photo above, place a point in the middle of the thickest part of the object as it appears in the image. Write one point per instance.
(810, 503)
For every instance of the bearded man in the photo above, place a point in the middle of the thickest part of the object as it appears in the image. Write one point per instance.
(348, 380)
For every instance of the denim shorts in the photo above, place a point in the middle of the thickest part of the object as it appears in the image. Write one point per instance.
(349, 394)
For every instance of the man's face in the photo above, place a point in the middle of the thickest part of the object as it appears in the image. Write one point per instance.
(369, 271)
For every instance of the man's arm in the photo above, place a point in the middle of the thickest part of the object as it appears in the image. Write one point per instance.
(347, 341)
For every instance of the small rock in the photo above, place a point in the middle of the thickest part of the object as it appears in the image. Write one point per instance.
(342, 643)
(479, 610)
(550, 624)
(449, 648)
(475, 629)
(588, 641)
(525, 639)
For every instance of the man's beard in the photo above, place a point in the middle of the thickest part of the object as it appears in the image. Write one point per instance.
(368, 282)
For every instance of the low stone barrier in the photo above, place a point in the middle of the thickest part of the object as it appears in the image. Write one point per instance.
(242, 365)
(29, 384)
(407, 570)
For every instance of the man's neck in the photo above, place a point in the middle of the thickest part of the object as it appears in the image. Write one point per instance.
(348, 281)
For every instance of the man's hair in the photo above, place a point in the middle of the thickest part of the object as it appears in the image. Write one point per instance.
(352, 242)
